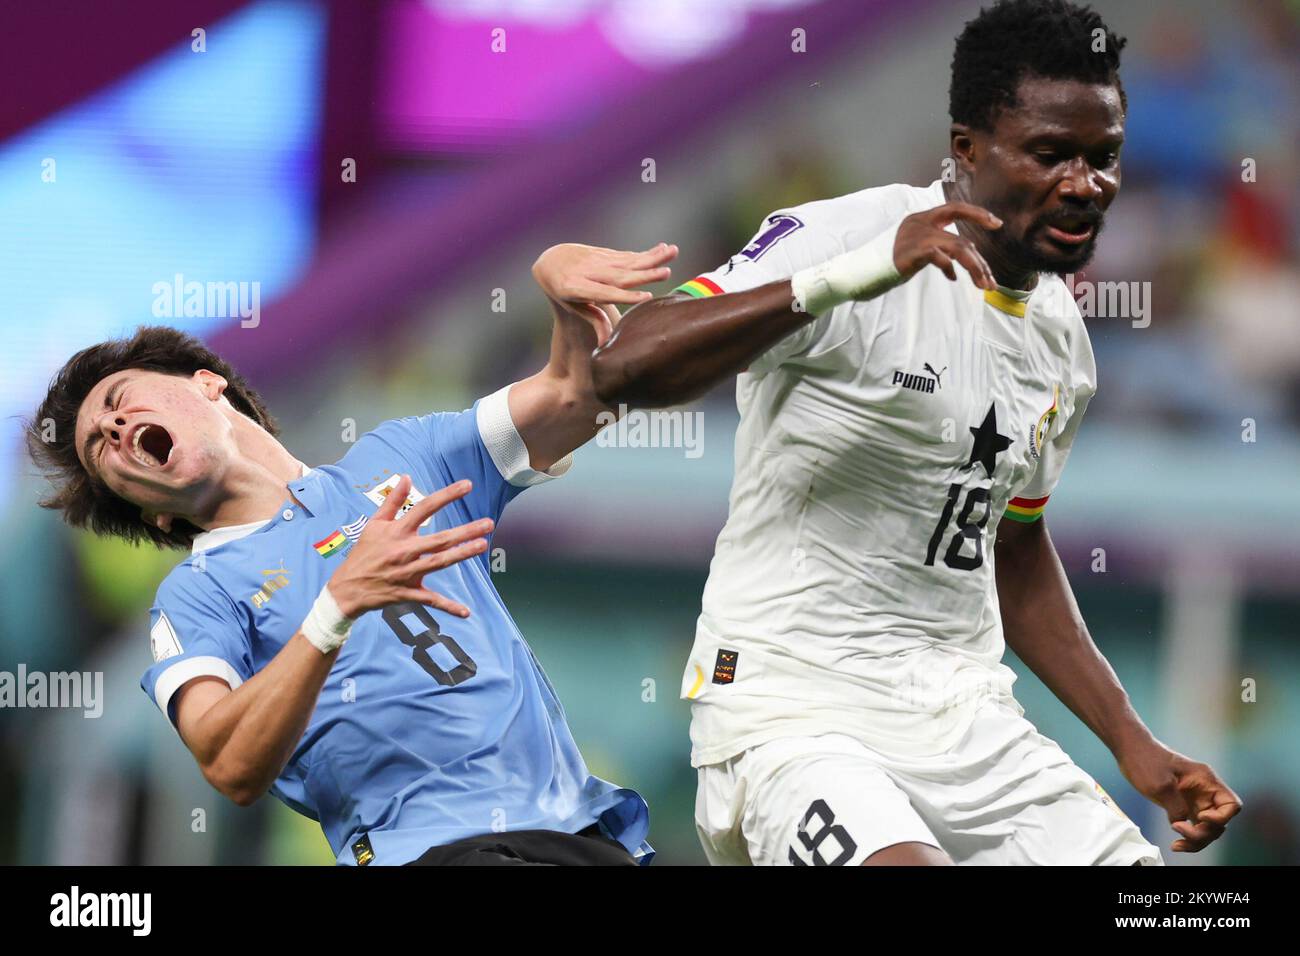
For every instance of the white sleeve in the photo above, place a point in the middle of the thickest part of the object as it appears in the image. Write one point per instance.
(1056, 434)
(787, 241)
(195, 631)
(505, 446)
(783, 244)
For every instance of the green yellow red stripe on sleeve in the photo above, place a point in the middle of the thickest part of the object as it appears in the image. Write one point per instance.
(700, 288)
(1026, 509)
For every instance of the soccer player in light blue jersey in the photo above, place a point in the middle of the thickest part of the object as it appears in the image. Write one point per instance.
(335, 636)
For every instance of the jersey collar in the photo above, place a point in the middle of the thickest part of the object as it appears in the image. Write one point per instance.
(207, 540)
(1011, 301)
(310, 491)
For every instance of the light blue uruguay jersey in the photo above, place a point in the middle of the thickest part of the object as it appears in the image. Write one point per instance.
(429, 728)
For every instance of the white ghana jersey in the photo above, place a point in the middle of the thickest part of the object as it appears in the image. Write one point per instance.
(852, 589)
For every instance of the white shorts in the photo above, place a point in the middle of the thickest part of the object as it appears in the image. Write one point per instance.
(1005, 795)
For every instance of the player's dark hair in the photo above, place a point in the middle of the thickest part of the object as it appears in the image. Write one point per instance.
(87, 502)
(1012, 39)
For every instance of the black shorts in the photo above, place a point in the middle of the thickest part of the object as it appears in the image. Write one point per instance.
(587, 847)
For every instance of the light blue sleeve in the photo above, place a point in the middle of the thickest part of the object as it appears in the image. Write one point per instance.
(195, 631)
(480, 443)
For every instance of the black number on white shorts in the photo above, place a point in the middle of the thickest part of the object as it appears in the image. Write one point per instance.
(827, 829)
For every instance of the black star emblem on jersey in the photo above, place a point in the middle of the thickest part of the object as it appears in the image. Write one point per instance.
(988, 443)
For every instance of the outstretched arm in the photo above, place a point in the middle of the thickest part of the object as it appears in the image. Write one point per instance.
(674, 349)
(1042, 624)
(556, 410)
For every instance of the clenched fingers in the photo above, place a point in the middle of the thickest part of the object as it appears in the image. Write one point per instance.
(1195, 836)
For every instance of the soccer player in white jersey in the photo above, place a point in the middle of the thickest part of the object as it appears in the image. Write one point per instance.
(902, 429)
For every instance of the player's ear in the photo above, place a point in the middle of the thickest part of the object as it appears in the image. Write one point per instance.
(211, 384)
(962, 143)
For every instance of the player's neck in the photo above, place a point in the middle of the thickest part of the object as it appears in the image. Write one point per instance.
(1007, 274)
(254, 487)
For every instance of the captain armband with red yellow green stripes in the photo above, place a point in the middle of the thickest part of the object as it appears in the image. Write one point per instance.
(1026, 509)
(854, 276)
(700, 288)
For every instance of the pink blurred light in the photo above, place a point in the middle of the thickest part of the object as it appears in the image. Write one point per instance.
(443, 87)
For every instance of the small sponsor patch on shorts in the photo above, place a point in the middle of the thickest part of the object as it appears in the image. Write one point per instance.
(362, 851)
(724, 669)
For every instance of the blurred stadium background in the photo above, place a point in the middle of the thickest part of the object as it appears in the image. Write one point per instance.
(377, 300)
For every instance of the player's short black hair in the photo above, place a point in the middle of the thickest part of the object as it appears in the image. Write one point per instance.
(86, 502)
(1012, 39)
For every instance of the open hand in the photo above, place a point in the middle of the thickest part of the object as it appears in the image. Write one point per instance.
(588, 280)
(388, 563)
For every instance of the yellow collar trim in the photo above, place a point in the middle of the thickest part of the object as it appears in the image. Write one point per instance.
(1004, 303)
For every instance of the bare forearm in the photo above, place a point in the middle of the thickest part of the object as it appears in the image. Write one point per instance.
(674, 349)
(1042, 624)
(553, 417)
(243, 741)
(556, 410)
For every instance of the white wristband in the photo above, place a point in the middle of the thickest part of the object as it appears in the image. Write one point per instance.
(857, 275)
(325, 626)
